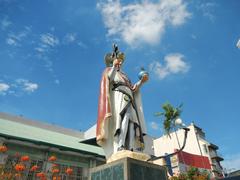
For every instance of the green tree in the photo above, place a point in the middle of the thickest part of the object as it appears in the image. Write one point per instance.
(170, 115)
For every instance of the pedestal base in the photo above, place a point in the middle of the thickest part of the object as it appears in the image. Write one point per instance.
(128, 169)
(126, 153)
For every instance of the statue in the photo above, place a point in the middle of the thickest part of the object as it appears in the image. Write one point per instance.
(120, 124)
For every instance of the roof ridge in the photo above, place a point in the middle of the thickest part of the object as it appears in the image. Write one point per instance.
(43, 125)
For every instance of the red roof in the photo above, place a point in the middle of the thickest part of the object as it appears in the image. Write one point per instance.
(194, 160)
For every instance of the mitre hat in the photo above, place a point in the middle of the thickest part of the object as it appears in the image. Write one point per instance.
(116, 54)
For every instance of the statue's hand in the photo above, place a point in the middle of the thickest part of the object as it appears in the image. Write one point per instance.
(144, 78)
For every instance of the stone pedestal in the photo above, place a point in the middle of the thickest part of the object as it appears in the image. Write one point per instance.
(128, 169)
(126, 153)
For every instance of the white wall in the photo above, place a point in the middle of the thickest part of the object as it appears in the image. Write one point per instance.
(194, 145)
(148, 143)
(165, 144)
(91, 132)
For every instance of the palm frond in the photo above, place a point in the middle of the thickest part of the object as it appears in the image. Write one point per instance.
(170, 115)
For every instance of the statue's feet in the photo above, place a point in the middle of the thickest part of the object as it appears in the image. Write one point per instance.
(121, 148)
(139, 149)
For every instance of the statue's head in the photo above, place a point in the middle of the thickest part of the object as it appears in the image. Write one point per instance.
(116, 54)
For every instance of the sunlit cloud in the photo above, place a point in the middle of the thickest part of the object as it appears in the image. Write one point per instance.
(193, 36)
(207, 10)
(4, 88)
(154, 125)
(57, 81)
(18, 87)
(5, 23)
(238, 44)
(26, 85)
(46, 43)
(81, 44)
(30, 87)
(11, 41)
(49, 40)
(70, 38)
(52, 29)
(40, 49)
(143, 22)
(16, 38)
(173, 64)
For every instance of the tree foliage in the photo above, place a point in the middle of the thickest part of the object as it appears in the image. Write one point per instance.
(170, 114)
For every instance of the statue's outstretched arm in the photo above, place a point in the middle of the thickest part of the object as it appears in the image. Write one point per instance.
(138, 85)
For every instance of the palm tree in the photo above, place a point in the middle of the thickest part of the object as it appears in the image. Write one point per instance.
(171, 114)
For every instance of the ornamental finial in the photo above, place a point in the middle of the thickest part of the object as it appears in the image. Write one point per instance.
(116, 54)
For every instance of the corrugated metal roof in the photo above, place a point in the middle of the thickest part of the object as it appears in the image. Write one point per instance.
(37, 133)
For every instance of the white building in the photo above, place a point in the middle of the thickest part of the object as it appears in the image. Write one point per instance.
(198, 152)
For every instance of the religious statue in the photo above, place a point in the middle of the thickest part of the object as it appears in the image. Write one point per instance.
(120, 124)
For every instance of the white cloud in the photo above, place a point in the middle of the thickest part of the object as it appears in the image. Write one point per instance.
(19, 36)
(49, 39)
(231, 162)
(30, 87)
(47, 43)
(26, 86)
(173, 64)
(142, 22)
(18, 87)
(193, 36)
(70, 38)
(15, 39)
(5, 23)
(176, 64)
(208, 10)
(57, 81)
(11, 41)
(52, 29)
(4, 88)
(81, 44)
(40, 49)
(238, 44)
(154, 125)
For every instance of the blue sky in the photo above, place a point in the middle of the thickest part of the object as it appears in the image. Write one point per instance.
(51, 60)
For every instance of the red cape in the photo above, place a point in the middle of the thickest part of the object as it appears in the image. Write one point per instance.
(104, 109)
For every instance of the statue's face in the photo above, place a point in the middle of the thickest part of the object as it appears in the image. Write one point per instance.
(119, 63)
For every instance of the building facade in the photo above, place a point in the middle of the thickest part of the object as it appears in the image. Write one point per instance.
(198, 152)
(79, 151)
(39, 141)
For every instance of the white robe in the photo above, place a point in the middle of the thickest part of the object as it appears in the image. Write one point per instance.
(132, 116)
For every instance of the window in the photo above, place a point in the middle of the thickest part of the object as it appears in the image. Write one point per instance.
(205, 150)
(11, 161)
(77, 172)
